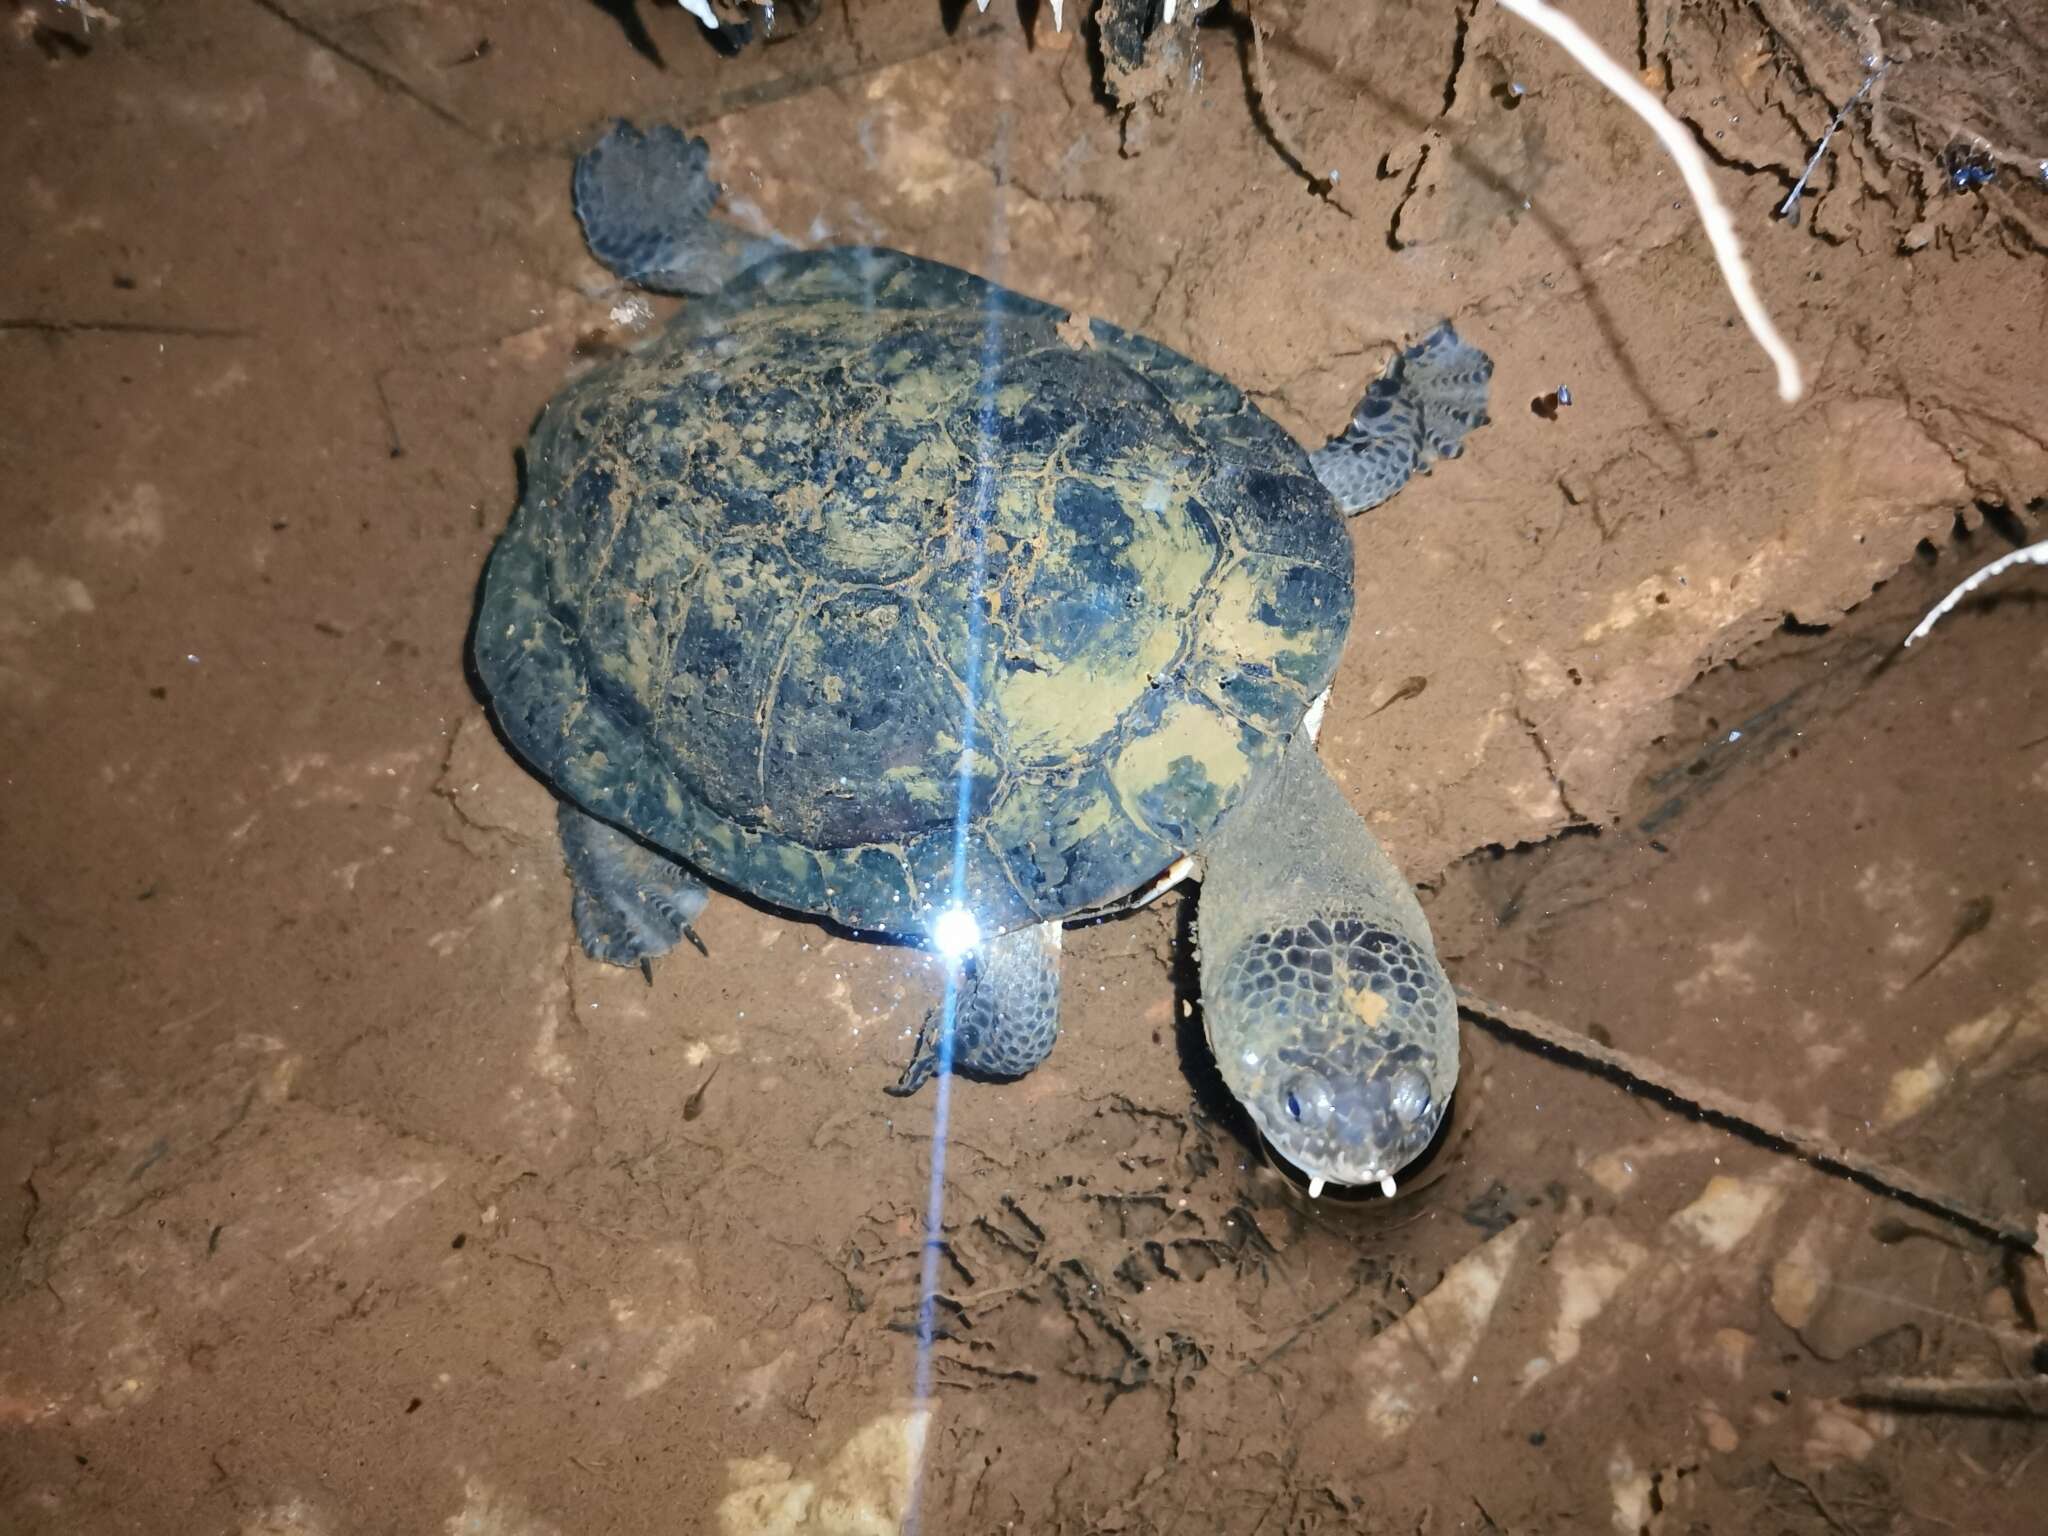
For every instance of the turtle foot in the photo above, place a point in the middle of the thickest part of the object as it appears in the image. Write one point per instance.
(1416, 412)
(631, 904)
(1000, 1020)
(645, 201)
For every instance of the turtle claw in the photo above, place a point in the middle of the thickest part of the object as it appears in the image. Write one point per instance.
(632, 905)
(924, 1060)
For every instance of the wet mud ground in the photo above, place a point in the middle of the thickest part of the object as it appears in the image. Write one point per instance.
(342, 1194)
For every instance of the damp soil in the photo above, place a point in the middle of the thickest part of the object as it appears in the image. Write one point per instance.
(340, 1193)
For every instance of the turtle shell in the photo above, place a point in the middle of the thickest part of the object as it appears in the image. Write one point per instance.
(870, 586)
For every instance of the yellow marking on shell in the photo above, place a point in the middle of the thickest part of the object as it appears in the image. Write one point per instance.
(1020, 816)
(932, 471)
(1066, 709)
(1012, 398)
(1234, 620)
(854, 538)
(916, 783)
(978, 765)
(1066, 706)
(1234, 627)
(876, 622)
(1092, 819)
(1020, 505)
(921, 389)
(1170, 553)
(1189, 733)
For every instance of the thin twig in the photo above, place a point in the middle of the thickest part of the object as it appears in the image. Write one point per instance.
(1756, 1120)
(36, 324)
(383, 78)
(1789, 209)
(1265, 105)
(2025, 1398)
(1835, 1521)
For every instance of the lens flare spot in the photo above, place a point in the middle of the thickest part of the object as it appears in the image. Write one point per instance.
(955, 932)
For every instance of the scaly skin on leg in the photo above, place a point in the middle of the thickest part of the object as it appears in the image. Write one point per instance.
(631, 904)
(645, 201)
(1416, 412)
(1006, 1011)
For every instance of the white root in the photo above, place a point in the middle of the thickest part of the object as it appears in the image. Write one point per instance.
(2033, 554)
(1058, 22)
(1692, 165)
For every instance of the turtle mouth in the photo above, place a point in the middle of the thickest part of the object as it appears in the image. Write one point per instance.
(1347, 1154)
(1329, 1180)
(1359, 1124)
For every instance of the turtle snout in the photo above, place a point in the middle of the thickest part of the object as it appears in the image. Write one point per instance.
(1349, 1125)
(1381, 1113)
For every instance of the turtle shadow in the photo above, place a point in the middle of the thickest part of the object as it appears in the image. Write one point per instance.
(626, 15)
(1212, 1102)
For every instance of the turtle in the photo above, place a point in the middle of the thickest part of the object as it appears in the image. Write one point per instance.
(874, 592)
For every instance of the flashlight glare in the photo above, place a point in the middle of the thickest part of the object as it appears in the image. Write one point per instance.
(955, 932)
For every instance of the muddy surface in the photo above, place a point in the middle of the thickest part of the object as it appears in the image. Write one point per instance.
(343, 1194)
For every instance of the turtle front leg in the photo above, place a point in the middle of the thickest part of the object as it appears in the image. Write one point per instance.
(631, 904)
(1417, 411)
(645, 202)
(1006, 1012)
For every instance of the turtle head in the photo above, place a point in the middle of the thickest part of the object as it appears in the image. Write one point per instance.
(1339, 1035)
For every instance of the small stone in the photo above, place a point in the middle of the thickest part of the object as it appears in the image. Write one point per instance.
(1726, 1212)
(1721, 1434)
(1732, 1349)
(1798, 1281)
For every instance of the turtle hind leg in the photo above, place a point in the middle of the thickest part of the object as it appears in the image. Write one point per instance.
(1006, 1013)
(631, 904)
(1414, 413)
(645, 201)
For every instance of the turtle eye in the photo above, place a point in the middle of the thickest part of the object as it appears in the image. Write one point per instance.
(1306, 1098)
(1410, 1098)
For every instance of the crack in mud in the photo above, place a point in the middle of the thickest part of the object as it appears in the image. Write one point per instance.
(1261, 99)
(1464, 25)
(376, 74)
(1394, 241)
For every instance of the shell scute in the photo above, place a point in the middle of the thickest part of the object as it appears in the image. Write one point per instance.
(857, 700)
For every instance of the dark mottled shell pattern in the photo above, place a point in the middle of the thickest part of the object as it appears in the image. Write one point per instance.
(865, 543)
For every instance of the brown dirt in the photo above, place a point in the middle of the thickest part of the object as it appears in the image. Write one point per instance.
(344, 1195)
